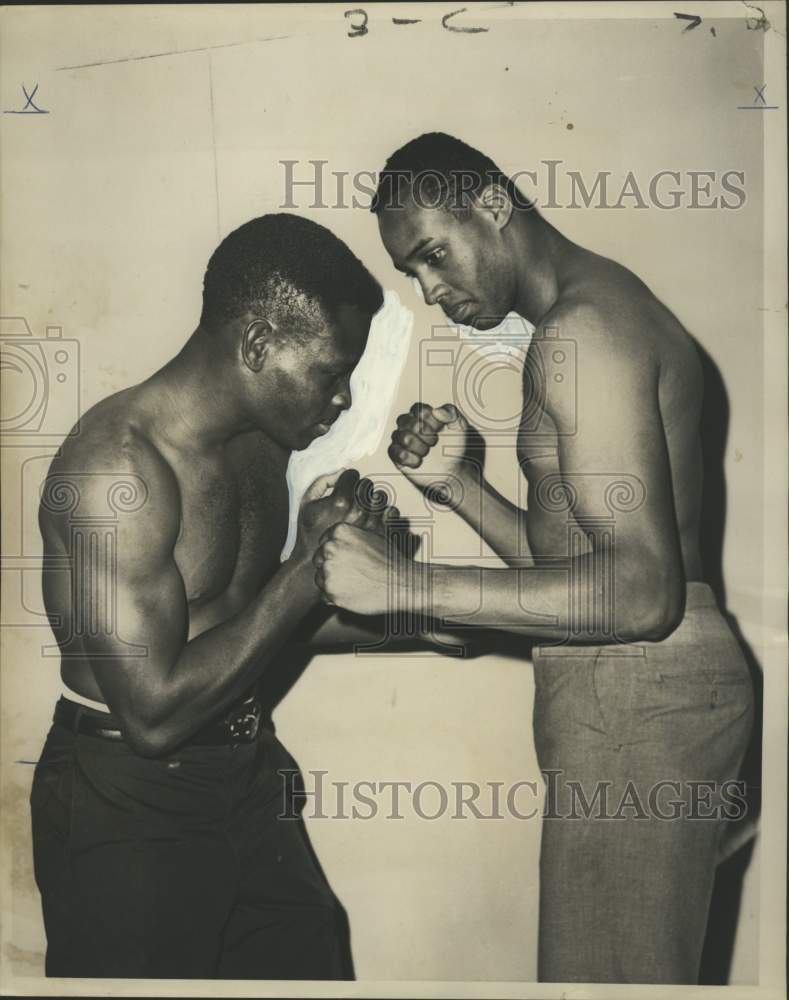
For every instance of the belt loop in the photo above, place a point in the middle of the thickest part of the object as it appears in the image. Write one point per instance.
(77, 718)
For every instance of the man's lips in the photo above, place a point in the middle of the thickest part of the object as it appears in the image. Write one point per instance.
(459, 313)
(324, 426)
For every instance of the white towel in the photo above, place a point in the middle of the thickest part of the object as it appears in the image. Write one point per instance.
(358, 431)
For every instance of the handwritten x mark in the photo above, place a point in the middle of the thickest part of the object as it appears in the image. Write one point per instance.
(30, 108)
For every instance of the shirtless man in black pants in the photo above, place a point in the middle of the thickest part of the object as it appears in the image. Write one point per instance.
(158, 851)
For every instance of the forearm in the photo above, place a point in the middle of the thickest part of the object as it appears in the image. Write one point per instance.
(573, 601)
(332, 627)
(221, 664)
(336, 628)
(500, 523)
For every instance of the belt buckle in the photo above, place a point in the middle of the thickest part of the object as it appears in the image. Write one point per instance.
(243, 728)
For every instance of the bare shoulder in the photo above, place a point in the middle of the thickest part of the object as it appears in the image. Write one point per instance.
(619, 335)
(616, 315)
(111, 468)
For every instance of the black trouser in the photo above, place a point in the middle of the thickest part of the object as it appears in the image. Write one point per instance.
(179, 866)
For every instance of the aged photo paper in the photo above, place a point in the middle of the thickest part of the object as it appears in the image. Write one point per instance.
(638, 203)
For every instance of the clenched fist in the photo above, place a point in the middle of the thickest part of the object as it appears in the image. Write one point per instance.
(328, 500)
(371, 511)
(355, 568)
(363, 567)
(432, 446)
(343, 498)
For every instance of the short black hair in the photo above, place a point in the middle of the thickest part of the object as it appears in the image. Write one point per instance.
(287, 265)
(439, 170)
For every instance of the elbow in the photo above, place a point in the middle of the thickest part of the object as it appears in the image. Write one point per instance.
(659, 625)
(653, 609)
(149, 737)
(148, 741)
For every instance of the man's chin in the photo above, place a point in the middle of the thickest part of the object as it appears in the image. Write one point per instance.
(485, 322)
(310, 434)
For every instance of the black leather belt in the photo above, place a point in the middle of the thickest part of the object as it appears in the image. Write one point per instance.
(241, 724)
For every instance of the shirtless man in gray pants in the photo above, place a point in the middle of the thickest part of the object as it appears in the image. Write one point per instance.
(643, 702)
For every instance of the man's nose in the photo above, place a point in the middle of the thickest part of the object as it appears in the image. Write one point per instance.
(342, 399)
(432, 292)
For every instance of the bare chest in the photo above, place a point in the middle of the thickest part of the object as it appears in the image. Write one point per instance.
(234, 515)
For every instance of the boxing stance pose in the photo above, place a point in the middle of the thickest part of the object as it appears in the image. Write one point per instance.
(642, 692)
(160, 847)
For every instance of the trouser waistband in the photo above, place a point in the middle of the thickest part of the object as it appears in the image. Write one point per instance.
(699, 595)
(241, 724)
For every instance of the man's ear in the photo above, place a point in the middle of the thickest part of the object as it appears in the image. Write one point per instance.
(255, 343)
(495, 200)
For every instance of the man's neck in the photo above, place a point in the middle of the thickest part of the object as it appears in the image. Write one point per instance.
(547, 259)
(196, 408)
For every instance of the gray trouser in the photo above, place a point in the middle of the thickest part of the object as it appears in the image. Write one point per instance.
(640, 747)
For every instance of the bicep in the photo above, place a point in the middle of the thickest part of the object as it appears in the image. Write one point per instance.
(615, 459)
(133, 647)
(121, 605)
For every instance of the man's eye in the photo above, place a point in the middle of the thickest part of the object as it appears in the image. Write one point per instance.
(435, 256)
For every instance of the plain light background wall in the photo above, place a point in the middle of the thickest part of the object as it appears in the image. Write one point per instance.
(112, 204)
